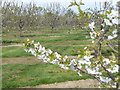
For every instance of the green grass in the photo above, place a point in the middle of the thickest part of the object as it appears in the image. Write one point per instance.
(61, 42)
(19, 75)
(66, 50)
(37, 33)
(8, 52)
(46, 39)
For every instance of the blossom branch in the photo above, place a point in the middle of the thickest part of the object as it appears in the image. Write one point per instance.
(108, 72)
(90, 75)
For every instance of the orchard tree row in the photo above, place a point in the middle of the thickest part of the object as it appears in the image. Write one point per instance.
(30, 15)
(53, 15)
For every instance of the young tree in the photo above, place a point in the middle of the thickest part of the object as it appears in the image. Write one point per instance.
(52, 15)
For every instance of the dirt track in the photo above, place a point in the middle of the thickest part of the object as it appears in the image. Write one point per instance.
(13, 45)
(89, 83)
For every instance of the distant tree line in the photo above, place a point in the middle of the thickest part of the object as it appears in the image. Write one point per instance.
(15, 15)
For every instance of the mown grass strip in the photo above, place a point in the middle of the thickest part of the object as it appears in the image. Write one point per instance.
(19, 75)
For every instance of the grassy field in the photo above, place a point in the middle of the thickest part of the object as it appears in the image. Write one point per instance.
(58, 40)
(20, 75)
(20, 69)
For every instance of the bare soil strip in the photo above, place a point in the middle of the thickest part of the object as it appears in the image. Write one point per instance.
(21, 60)
(24, 60)
(88, 83)
(20, 45)
(13, 45)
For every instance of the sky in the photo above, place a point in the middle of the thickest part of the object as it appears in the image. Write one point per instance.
(65, 3)
(61, 1)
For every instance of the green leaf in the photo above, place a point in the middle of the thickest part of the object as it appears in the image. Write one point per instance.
(89, 16)
(73, 4)
(108, 12)
(81, 3)
(100, 58)
(113, 56)
(80, 16)
(103, 15)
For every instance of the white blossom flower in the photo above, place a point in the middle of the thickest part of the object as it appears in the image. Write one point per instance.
(82, 61)
(28, 39)
(66, 57)
(91, 25)
(93, 34)
(114, 32)
(106, 60)
(57, 55)
(88, 63)
(73, 67)
(41, 56)
(110, 37)
(43, 49)
(23, 44)
(93, 41)
(102, 25)
(90, 71)
(105, 79)
(39, 48)
(26, 50)
(113, 16)
(55, 61)
(47, 60)
(63, 66)
(79, 73)
(102, 30)
(50, 51)
(115, 35)
(73, 64)
(113, 86)
(88, 57)
(86, 67)
(107, 22)
(36, 44)
(114, 69)
(115, 21)
(31, 50)
(85, 47)
(114, 13)
(46, 53)
(79, 66)
(32, 41)
(33, 53)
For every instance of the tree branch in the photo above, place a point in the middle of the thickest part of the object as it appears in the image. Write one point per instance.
(90, 75)
(112, 48)
(108, 72)
(107, 29)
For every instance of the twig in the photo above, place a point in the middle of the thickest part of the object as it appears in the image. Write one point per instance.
(90, 75)
(108, 72)
(112, 48)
